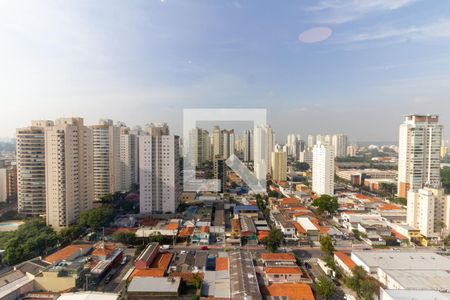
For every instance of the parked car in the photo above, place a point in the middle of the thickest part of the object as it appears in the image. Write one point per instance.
(204, 248)
(124, 260)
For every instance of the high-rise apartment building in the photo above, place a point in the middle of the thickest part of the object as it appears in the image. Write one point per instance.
(247, 145)
(339, 142)
(279, 164)
(420, 139)
(220, 172)
(427, 209)
(157, 128)
(68, 171)
(351, 150)
(106, 142)
(228, 140)
(30, 151)
(199, 144)
(160, 179)
(306, 156)
(311, 141)
(217, 142)
(263, 144)
(323, 169)
(129, 158)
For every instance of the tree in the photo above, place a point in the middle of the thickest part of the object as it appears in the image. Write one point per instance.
(368, 288)
(326, 246)
(128, 238)
(69, 234)
(274, 240)
(273, 194)
(156, 237)
(301, 166)
(326, 203)
(325, 287)
(96, 218)
(360, 282)
(34, 238)
(388, 188)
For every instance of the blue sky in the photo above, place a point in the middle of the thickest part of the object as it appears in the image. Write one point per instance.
(371, 62)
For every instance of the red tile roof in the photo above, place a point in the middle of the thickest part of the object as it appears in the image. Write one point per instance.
(186, 231)
(283, 270)
(221, 263)
(66, 253)
(345, 259)
(389, 207)
(299, 228)
(158, 267)
(294, 291)
(398, 235)
(278, 256)
(262, 234)
(286, 201)
(172, 226)
(204, 229)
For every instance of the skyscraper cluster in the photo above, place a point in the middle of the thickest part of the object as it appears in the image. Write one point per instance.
(428, 209)
(63, 167)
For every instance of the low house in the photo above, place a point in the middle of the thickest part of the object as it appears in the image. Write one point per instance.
(143, 288)
(235, 228)
(68, 253)
(144, 260)
(61, 276)
(283, 274)
(344, 262)
(267, 258)
(249, 234)
(201, 235)
(251, 211)
(14, 284)
(291, 291)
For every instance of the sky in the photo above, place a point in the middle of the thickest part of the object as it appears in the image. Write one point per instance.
(317, 66)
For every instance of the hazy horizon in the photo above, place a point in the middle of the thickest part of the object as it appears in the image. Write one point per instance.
(326, 66)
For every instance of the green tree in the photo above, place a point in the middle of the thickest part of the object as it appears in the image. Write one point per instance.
(96, 218)
(274, 240)
(362, 284)
(326, 203)
(156, 237)
(326, 246)
(445, 178)
(34, 238)
(128, 238)
(367, 290)
(325, 287)
(69, 234)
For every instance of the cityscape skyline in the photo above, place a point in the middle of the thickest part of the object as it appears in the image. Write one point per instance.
(148, 60)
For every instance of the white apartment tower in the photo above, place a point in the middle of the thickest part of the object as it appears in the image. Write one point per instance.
(420, 139)
(311, 141)
(129, 158)
(427, 209)
(228, 140)
(323, 169)
(263, 145)
(106, 143)
(68, 171)
(279, 164)
(339, 142)
(160, 181)
(30, 155)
